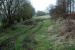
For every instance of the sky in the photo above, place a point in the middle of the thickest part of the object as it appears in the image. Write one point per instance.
(42, 4)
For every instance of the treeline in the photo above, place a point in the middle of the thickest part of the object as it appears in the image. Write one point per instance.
(13, 11)
(63, 9)
(41, 13)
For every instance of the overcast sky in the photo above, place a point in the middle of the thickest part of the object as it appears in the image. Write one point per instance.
(42, 4)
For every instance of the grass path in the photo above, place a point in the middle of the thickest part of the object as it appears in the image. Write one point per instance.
(40, 33)
(21, 38)
(41, 36)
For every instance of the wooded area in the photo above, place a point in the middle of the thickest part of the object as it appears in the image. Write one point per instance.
(64, 8)
(14, 11)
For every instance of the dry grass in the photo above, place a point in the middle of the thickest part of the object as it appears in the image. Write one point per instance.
(62, 35)
(68, 29)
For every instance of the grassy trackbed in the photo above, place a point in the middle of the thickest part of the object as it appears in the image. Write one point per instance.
(39, 33)
(33, 37)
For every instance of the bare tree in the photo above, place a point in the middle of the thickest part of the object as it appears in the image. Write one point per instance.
(14, 10)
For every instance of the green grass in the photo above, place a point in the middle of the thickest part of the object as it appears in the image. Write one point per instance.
(37, 34)
(34, 37)
(42, 36)
(20, 38)
(40, 32)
